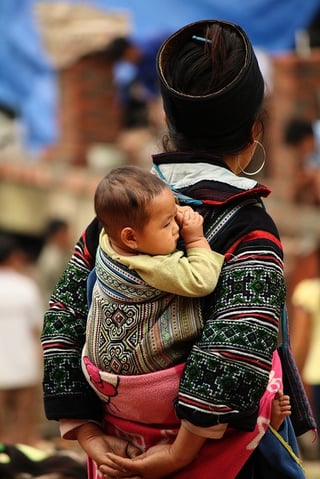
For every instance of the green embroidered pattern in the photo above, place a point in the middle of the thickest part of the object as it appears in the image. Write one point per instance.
(212, 376)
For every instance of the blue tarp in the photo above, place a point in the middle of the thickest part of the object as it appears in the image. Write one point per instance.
(28, 81)
(271, 24)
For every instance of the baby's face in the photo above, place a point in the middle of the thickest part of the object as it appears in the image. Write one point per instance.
(161, 233)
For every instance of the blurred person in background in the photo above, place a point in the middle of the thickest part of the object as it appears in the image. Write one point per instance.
(20, 353)
(303, 137)
(135, 77)
(305, 337)
(53, 256)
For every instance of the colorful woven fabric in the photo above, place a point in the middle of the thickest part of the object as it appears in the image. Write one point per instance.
(134, 328)
(149, 418)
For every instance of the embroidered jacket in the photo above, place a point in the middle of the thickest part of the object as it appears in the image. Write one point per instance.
(228, 368)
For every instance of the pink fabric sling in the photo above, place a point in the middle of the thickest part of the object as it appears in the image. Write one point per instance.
(140, 410)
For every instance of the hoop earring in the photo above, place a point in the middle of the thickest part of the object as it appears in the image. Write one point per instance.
(252, 173)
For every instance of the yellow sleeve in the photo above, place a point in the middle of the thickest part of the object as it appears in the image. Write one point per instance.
(194, 275)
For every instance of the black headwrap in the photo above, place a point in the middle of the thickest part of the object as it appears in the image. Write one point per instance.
(218, 115)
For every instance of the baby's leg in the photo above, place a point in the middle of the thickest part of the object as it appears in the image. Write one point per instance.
(281, 408)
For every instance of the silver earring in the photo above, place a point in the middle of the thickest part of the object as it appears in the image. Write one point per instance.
(252, 173)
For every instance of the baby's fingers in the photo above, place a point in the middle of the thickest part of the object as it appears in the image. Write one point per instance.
(185, 211)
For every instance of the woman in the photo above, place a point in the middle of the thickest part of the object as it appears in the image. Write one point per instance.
(212, 92)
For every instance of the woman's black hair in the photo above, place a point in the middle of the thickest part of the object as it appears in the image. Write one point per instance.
(212, 88)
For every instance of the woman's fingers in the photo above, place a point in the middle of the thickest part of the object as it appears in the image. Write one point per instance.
(116, 466)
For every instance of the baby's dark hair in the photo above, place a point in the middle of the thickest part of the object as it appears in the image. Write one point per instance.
(123, 196)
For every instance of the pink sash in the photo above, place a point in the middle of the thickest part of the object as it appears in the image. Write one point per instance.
(140, 410)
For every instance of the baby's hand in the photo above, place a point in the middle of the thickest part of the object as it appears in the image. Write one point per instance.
(191, 227)
(189, 220)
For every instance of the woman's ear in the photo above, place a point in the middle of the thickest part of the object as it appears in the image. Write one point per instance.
(128, 237)
(257, 130)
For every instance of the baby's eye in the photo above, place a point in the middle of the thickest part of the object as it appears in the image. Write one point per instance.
(169, 222)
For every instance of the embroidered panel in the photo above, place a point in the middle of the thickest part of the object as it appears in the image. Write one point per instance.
(134, 328)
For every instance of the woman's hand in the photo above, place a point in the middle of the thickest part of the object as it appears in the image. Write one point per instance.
(157, 462)
(97, 444)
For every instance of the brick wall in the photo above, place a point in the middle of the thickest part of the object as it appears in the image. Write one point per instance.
(89, 110)
(296, 92)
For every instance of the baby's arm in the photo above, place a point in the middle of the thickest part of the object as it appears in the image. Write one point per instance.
(159, 461)
(192, 275)
(281, 408)
(191, 227)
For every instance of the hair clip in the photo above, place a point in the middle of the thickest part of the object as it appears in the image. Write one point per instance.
(201, 39)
